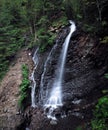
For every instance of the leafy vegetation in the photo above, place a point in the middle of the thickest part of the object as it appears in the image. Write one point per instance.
(42, 19)
(100, 121)
(11, 41)
(11, 33)
(51, 16)
(19, 17)
(91, 12)
(24, 85)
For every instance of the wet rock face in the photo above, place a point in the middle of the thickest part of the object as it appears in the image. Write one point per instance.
(40, 122)
(86, 64)
(50, 69)
(10, 122)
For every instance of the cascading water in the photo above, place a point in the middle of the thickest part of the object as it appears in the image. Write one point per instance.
(35, 60)
(45, 67)
(55, 99)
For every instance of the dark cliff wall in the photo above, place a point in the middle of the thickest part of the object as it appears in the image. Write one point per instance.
(86, 64)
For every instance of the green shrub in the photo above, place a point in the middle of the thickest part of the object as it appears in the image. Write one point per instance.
(45, 38)
(60, 21)
(43, 20)
(11, 41)
(24, 85)
(100, 121)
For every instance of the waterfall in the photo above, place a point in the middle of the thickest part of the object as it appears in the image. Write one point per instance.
(35, 60)
(55, 99)
(44, 71)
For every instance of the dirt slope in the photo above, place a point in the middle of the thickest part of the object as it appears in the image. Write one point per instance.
(9, 88)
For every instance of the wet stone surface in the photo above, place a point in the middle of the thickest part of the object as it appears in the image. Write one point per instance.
(84, 69)
(86, 64)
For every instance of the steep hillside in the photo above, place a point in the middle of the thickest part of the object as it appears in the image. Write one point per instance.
(10, 115)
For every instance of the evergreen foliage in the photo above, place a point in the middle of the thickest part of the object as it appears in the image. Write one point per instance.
(11, 38)
(19, 16)
(39, 16)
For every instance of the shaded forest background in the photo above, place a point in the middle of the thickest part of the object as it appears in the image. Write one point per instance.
(26, 22)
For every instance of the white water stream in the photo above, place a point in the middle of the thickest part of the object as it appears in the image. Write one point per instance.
(55, 99)
(35, 60)
(43, 74)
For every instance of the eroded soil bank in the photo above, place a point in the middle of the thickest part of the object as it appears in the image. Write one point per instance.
(10, 115)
